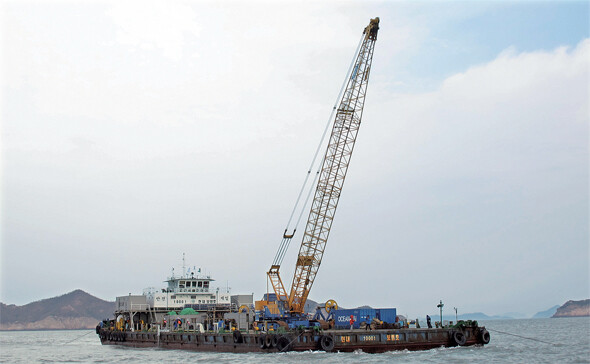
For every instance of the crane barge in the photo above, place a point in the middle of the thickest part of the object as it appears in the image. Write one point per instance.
(278, 322)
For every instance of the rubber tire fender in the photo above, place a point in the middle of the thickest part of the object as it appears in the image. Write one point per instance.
(275, 340)
(459, 338)
(327, 343)
(283, 344)
(262, 341)
(238, 339)
(268, 341)
(484, 336)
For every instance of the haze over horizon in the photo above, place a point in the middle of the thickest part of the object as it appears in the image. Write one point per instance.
(134, 132)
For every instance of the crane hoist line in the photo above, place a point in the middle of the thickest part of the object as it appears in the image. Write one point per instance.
(330, 181)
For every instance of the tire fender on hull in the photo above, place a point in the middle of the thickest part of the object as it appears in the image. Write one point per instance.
(268, 341)
(238, 339)
(459, 338)
(262, 341)
(327, 343)
(283, 344)
(484, 336)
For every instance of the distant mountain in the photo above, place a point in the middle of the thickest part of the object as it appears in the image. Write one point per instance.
(574, 309)
(515, 315)
(469, 316)
(310, 306)
(483, 316)
(74, 310)
(547, 313)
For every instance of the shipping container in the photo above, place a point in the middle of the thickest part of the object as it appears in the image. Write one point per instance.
(387, 314)
(342, 318)
(364, 312)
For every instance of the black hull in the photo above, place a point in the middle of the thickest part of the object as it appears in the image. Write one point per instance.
(375, 341)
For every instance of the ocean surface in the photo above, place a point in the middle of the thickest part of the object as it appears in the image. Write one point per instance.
(563, 340)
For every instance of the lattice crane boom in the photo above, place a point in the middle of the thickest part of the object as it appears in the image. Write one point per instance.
(331, 179)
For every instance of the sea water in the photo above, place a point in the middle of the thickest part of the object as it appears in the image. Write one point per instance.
(563, 340)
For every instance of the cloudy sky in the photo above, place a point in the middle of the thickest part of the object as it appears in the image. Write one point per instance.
(133, 132)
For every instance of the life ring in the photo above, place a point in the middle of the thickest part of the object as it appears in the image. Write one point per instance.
(327, 343)
(459, 338)
(484, 336)
(262, 341)
(283, 343)
(238, 339)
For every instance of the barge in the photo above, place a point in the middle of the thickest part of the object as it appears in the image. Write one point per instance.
(190, 315)
(375, 341)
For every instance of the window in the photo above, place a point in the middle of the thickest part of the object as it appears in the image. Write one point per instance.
(200, 284)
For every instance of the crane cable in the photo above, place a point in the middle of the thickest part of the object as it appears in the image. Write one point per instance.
(284, 245)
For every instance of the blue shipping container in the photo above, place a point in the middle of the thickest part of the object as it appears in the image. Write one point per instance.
(342, 318)
(387, 315)
(364, 312)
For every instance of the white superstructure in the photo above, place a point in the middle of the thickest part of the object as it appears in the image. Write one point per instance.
(187, 290)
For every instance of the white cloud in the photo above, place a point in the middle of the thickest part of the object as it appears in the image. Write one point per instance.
(485, 177)
(189, 132)
(155, 24)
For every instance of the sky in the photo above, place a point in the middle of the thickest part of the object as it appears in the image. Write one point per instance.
(134, 132)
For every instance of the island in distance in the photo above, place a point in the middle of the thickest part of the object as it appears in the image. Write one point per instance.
(71, 311)
(81, 310)
(574, 309)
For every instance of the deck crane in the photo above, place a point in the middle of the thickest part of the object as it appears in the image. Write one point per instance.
(330, 182)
